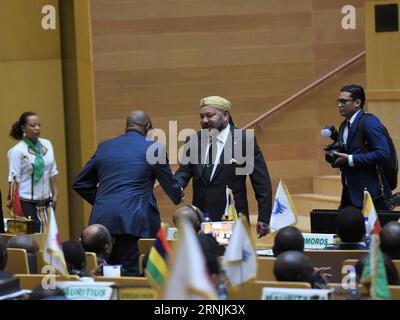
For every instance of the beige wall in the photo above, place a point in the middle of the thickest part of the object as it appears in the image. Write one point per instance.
(78, 100)
(31, 79)
(163, 56)
(383, 69)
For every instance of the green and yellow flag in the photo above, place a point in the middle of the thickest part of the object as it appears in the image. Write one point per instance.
(374, 272)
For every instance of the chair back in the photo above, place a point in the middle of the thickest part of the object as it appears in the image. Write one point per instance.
(17, 261)
(265, 269)
(91, 261)
(252, 290)
(31, 281)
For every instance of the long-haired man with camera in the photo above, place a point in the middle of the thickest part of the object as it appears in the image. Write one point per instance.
(361, 150)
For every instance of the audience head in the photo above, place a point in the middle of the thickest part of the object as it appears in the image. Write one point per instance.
(24, 241)
(192, 213)
(96, 238)
(390, 239)
(74, 257)
(210, 249)
(350, 225)
(27, 242)
(294, 266)
(288, 239)
(391, 271)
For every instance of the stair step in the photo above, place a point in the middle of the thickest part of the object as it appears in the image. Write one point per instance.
(330, 185)
(306, 202)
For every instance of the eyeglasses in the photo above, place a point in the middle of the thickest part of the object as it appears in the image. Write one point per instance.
(342, 102)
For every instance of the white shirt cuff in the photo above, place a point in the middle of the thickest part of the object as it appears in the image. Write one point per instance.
(351, 163)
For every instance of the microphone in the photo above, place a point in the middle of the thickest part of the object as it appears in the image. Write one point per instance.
(329, 131)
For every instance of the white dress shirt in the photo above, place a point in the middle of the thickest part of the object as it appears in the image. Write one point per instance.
(346, 134)
(221, 140)
(20, 164)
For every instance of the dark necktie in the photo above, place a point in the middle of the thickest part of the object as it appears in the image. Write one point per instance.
(348, 125)
(210, 160)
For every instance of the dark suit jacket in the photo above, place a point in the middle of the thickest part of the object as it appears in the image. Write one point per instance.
(118, 181)
(364, 173)
(210, 196)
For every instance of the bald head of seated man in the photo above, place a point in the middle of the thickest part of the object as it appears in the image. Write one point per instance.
(294, 266)
(192, 213)
(288, 239)
(96, 238)
(390, 239)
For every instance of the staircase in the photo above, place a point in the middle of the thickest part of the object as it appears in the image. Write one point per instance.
(327, 192)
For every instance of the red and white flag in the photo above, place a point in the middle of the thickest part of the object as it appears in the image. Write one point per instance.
(53, 253)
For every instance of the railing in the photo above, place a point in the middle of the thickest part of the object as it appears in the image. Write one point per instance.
(304, 91)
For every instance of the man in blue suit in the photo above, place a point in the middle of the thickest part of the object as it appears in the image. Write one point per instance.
(359, 164)
(118, 181)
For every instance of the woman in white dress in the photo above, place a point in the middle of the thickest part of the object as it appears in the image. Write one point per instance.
(32, 164)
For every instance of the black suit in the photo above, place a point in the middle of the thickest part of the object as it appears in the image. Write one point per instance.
(210, 196)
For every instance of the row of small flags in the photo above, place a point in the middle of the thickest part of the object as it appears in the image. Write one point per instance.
(189, 279)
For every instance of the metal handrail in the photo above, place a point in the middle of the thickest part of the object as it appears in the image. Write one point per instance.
(300, 93)
(303, 91)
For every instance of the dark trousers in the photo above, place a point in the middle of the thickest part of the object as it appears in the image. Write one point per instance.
(125, 251)
(30, 210)
(379, 203)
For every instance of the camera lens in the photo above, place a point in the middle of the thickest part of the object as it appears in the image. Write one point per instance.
(330, 157)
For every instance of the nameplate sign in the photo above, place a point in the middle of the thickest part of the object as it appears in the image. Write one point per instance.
(77, 290)
(317, 240)
(131, 293)
(295, 294)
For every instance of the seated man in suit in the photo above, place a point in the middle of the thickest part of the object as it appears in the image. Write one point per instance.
(96, 238)
(75, 258)
(296, 266)
(359, 161)
(192, 213)
(390, 240)
(288, 239)
(350, 227)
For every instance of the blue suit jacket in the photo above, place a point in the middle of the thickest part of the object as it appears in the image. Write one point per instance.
(364, 173)
(118, 181)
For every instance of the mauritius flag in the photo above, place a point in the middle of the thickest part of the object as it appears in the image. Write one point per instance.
(13, 199)
(157, 267)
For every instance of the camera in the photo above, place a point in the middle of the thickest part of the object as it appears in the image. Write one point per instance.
(329, 131)
(394, 201)
(331, 149)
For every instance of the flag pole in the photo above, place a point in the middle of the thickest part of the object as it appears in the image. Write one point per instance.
(241, 281)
